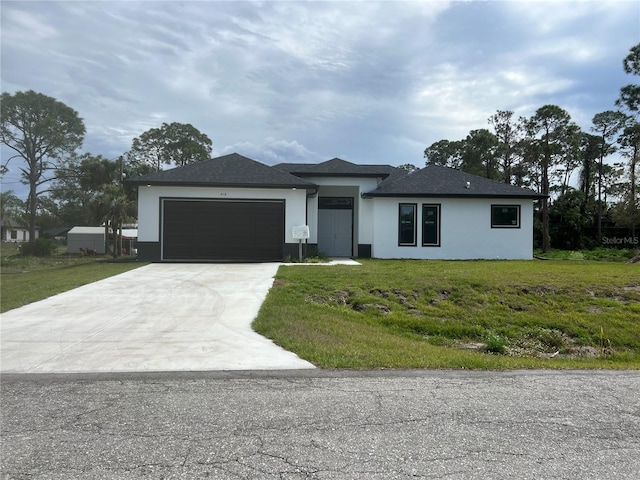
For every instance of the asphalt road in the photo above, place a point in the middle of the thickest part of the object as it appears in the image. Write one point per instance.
(322, 425)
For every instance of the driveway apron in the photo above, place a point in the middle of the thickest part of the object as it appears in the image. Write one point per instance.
(160, 317)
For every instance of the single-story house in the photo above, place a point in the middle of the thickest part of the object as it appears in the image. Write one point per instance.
(14, 231)
(233, 208)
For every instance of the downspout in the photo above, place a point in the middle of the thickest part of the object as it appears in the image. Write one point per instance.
(306, 220)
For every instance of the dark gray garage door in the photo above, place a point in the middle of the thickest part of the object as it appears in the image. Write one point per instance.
(222, 230)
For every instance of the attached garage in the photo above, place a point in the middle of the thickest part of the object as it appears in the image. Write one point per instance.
(222, 230)
(227, 209)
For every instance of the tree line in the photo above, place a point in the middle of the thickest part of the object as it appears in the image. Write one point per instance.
(69, 188)
(543, 152)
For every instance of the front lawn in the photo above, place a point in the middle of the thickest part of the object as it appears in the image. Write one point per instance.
(458, 314)
(28, 279)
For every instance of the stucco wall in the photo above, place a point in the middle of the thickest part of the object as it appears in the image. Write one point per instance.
(22, 234)
(347, 187)
(465, 227)
(149, 205)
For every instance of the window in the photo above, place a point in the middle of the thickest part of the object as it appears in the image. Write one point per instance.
(431, 225)
(336, 203)
(407, 225)
(505, 216)
(14, 235)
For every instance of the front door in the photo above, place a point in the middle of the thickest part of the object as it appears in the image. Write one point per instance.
(335, 226)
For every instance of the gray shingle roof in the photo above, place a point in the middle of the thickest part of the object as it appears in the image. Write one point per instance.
(436, 181)
(336, 167)
(235, 170)
(229, 170)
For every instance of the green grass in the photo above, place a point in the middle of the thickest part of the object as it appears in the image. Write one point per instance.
(415, 314)
(599, 254)
(25, 280)
(458, 314)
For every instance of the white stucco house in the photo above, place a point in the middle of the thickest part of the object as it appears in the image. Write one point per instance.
(233, 208)
(14, 231)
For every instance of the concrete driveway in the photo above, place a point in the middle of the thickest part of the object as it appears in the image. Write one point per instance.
(160, 317)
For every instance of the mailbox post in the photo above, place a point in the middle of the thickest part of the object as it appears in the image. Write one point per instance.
(301, 233)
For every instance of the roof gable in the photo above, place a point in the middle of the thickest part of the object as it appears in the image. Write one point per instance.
(228, 170)
(336, 167)
(436, 181)
(10, 222)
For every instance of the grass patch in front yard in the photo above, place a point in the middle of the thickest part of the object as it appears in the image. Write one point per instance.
(458, 314)
(602, 254)
(25, 280)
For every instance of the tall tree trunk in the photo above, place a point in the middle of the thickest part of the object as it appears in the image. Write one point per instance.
(106, 237)
(506, 167)
(600, 198)
(546, 240)
(33, 202)
(633, 201)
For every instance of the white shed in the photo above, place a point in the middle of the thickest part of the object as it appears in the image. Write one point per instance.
(87, 238)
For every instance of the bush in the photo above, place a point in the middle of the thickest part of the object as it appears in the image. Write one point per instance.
(495, 344)
(42, 247)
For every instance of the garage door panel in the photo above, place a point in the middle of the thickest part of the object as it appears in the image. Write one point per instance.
(222, 230)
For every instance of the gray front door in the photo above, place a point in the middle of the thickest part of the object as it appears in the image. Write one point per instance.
(335, 230)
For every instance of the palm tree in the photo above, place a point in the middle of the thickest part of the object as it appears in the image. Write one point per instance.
(117, 209)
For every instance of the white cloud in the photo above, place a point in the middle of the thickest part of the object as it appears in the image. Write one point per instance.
(456, 100)
(272, 151)
(375, 82)
(23, 28)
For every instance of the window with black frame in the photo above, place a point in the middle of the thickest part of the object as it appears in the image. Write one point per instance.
(505, 216)
(407, 225)
(431, 225)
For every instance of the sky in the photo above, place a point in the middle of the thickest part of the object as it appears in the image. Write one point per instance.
(307, 81)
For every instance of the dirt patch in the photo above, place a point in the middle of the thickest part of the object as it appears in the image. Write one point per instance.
(548, 344)
(383, 309)
(516, 308)
(339, 298)
(403, 298)
(540, 290)
(441, 296)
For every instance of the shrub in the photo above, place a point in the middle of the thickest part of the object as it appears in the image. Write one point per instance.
(42, 247)
(495, 343)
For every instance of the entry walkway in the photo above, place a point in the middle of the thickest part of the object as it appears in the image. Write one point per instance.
(160, 317)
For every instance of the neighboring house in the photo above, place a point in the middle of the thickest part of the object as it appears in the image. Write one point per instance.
(233, 208)
(58, 233)
(86, 238)
(13, 231)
